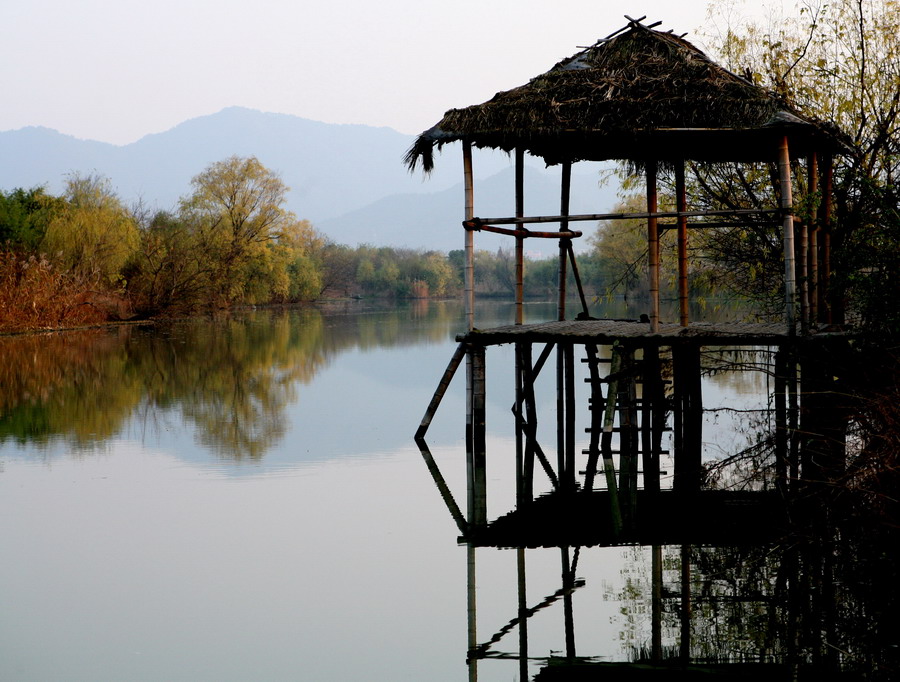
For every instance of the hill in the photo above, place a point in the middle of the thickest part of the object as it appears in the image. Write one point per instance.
(349, 180)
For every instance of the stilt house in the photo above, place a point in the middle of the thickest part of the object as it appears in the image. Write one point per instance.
(655, 101)
(651, 99)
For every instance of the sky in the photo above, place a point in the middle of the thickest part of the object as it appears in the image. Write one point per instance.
(116, 70)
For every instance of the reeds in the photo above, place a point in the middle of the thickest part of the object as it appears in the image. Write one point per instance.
(36, 294)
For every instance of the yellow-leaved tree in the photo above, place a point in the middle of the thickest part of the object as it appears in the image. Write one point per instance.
(237, 216)
(92, 233)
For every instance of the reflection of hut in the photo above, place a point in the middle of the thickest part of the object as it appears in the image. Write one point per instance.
(651, 99)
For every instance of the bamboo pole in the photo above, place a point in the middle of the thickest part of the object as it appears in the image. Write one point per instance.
(656, 591)
(479, 223)
(520, 238)
(470, 236)
(568, 584)
(519, 416)
(565, 192)
(681, 199)
(602, 413)
(471, 613)
(627, 397)
(688, 412)
(787, 205)
(442, 486)
(606, 442)
(652, 399)
(476, 226)
(569, 465)
(531, 424)
(828, 197)
(562, 349)
(479, 516)
(803, 267)
(781, 422)
(522, 614)
(438, 396)
(813, 189)
(685, 643)
(653, 246)
(581, 296)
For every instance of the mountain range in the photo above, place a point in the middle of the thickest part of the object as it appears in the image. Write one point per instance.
(348, 180)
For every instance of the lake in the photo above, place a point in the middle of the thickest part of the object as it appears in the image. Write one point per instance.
(240, 498)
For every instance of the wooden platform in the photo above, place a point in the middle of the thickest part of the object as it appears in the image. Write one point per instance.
(561, 671)
(706, 517)
(609, 331)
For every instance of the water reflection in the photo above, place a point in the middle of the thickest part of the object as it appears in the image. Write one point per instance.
(812, 607)
(229, 378)
(799, 584)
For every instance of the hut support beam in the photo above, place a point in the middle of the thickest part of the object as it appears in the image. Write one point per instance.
(564, 243)
(688, 412)
(827, 198)
(477, 487)
(681, 207)
(653, 246)
(787, 205)
(652, 417)
(470, 236)
(814, 285)
(520, 235)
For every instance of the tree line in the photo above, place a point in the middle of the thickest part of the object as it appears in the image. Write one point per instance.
(85, 256)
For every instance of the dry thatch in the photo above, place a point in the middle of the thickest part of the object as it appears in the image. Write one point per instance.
(637, 95)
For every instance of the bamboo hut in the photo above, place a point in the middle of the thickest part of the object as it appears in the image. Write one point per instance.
(651, 99)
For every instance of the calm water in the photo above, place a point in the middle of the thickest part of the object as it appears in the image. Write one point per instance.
(241, 499)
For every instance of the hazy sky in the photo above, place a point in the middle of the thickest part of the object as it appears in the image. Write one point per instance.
(116, 70)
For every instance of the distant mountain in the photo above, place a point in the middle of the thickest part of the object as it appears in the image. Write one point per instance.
(434, 220)
(349, 180)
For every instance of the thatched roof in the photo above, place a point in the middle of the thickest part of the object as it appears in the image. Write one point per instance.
(636, 95)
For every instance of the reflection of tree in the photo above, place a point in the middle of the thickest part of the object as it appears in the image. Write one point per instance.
(231, 377)
(59, 385)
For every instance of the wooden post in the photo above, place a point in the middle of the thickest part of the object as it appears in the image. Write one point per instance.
(470, 236)
(813, 270)
(471, 612)
(439, 392)
(688, 418)
(527, 491)
(568, 584)
(787, 205)
(522, 614)
(565, 192)
(685, 644)
(792, 417)
(569, 481)
(803, 267)
(827, 198)
(520, 238)
(656, 579)
(653, 246)
(781, 438)
(519, 416)
(652, 400)
(563, 351)
(602, 415)
(681, 198)
(479, 442)
(627, 437)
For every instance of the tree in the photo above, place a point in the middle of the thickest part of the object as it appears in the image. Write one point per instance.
(92, 233)
(24, 216)
(841, 63)
(236, 211)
